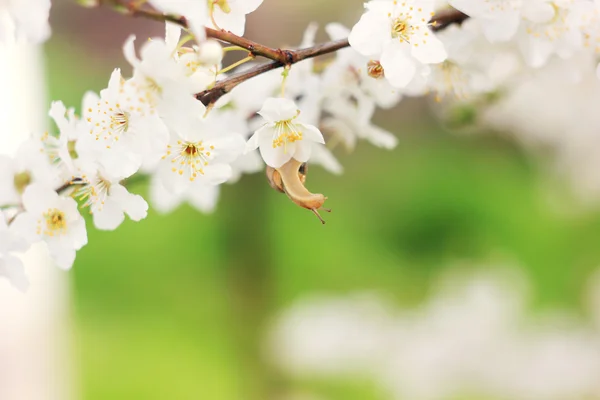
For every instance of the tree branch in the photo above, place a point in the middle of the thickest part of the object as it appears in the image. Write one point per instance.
(280, 57)
(254, 48)
(439, 21)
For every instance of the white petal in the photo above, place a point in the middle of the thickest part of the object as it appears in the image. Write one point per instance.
(278, 109)
(398, 66)
(204, 198)
(37, 197)
(322, 156)
(215, 174)
(57, 113)
(275, 157)
(109, 216)
(25, 226)
(312, 133)
(134, 205)
(228, 146)
(303, 150)
(129, 51)
(380, 137)
(163, 200)
(232, 21)
(428, 49)
(62, 256)
(252, 143)
(370, 34)
(78, 233)
(172, 35)
(501, 29)
(114, 84)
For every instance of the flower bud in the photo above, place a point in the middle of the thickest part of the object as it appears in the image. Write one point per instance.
(210, 52)
(374, 69)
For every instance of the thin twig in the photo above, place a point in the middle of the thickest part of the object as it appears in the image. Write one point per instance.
(255, 48)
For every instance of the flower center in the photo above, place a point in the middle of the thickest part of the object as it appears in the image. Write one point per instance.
(401, 29)
(93, 192)
(286, 132)
(119, 121)
(21, 181)
(374, 69)
(56, 223)
(189, 158)
(110, 120)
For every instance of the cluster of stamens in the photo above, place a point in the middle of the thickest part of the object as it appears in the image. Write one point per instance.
(404, 25)
(109, 122)
(55, 223)
(286, 132)
(190, 156)
(93, 192)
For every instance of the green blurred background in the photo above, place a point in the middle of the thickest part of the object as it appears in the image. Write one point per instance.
(176, 306)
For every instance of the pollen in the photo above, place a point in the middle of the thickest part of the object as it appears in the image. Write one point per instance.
(286, 132)
(401, 29)
(55, 223)
(190, 158)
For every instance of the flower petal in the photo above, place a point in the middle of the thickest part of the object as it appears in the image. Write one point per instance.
(399, 67)
(278, 109)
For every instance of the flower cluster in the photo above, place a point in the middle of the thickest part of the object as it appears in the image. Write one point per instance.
(487, 59)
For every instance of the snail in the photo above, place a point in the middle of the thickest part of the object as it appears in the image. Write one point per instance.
(290, 179)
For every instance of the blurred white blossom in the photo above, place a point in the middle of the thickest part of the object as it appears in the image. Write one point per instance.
(473, 337)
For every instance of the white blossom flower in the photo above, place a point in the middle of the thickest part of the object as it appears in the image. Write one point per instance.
(53, 219)
(548, 28)
(24, 20)
(30, 164)
(230, 15)
(201, 64)
(283, 137)
(124, 131)
(11, 267)
(349, 118)
(61, 148)
(398, 35)
(323, 157)
(160, 76)
(200, 153)
(108, 200)
(463, 74)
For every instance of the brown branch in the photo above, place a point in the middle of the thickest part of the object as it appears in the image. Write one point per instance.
(439, 21)
(280, 57)
(254, 48)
